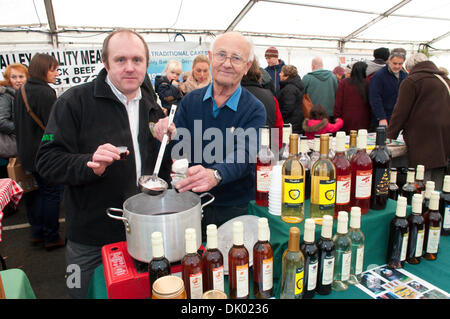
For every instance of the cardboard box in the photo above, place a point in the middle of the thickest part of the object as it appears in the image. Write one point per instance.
(23, 178)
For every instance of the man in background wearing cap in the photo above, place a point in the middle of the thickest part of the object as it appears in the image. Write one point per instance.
(274, 68)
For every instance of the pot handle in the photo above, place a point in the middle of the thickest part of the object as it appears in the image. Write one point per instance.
(208, 202)
(124, 219)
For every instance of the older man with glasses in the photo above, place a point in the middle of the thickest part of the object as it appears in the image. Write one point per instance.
(229, 110)
(384, 86)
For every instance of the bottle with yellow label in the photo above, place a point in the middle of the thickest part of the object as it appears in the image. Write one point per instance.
(292, 269)
(323, 183)
(293, 185)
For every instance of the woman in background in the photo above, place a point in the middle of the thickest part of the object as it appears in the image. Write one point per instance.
(200, 75)
(290, 97)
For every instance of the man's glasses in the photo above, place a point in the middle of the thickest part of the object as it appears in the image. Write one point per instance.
(235, 60)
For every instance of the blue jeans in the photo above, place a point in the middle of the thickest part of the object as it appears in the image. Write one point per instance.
(43, 210)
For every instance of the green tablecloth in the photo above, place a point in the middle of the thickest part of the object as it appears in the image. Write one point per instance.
(374, 225)
(16, 284)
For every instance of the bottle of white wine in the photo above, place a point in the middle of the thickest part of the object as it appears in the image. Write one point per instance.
(323, 184)
(357, 238)
(293, 185)
(292, 269)
(343, 246)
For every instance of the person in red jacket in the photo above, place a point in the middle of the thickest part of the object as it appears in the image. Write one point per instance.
(318, 122)
(351, 103)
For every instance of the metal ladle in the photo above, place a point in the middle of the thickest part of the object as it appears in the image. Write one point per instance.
(152, 184)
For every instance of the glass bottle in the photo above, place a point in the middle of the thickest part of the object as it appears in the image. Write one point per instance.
(292, 269)
(316, 150)
(311, 254)
(343, 245)
(293, 185)
(361, 174)
(159, 266)
(433, 224)
(331, 150)
(409, 189)
(327, 255)
(238, 262)
(352, 144)
(304, 158)
(420, 184)
(192, 267)
(380, 165)
(398, 236)
(429, 188)
(343, 176)
(357, 238)
(444, 206)
(284, 151)
(212, 259)
(263, 167)
(323, 184)
(263, 263)
(393, 187)
(416, 231)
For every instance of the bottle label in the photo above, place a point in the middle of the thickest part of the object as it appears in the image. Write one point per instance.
(404, 247)
(382, 180)
(363, 184)
(267, 274)
(299, 281)
(434, 234)
(446, 223)
(312, 275)
(328, 270)
(327, 192)
(343, 188)
(294, 195)
(359, 260)
(242, 281)
(419, 243)
(263, 174)
(218, 278)
(346, 263)
(196, 285)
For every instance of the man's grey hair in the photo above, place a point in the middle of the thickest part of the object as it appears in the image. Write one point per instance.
(251, 55)
(414, 59)
(398, 52)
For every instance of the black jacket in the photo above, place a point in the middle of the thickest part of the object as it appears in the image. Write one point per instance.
(40, 98)
(290, 101)
(83, 118)
(168, 93)
(7, 95)
(265, 96)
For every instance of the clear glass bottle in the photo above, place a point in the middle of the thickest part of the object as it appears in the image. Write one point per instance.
(343, 245)
(409, 189)
(433, 224)
(293, 185)
(444, 206)
(343, 176)
(416, 231)
(352, 144)
(357, 238)
(429, 188)
(212, 260)
(284, 151)
(314, 156)
(238, 263)
(398, 236)
(304, 158)
(361, 174)
(323, 184)
(327, 254)
(263, 263)
(192, 272)
(393, 187)
(292, 269)
(264, 163)
(159, 266)
(380, 166)
(419, 182)
(311, 254)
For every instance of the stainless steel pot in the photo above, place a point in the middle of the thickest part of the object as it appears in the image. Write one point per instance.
(169, 213)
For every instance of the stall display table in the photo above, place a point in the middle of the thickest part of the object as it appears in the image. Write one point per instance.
(16, 284)
(375, 226)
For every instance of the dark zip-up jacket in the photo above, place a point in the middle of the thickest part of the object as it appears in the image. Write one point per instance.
(83, 118)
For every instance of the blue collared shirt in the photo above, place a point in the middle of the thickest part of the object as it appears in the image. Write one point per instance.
(232, 102)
